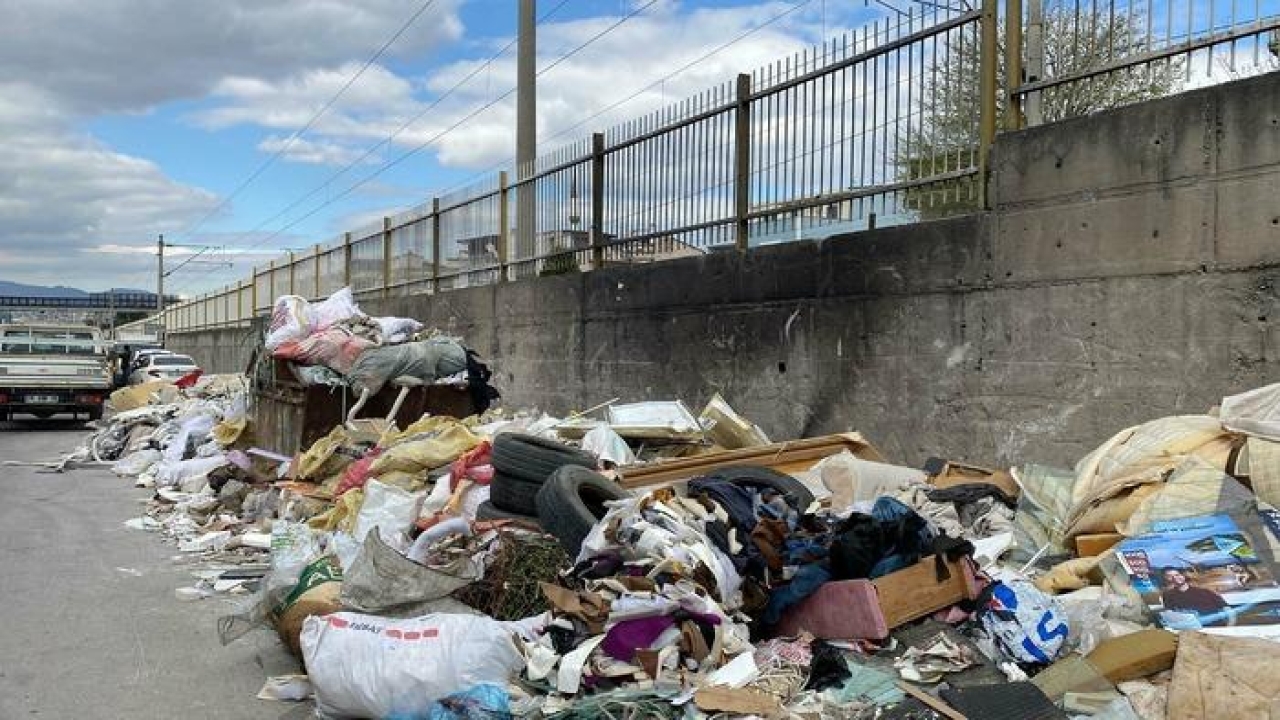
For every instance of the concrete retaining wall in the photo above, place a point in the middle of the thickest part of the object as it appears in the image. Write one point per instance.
(1128, 271)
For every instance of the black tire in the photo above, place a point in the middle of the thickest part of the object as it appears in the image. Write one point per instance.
(532, 458)
(571, 502)
(489, 511)
(513, 494)
(797, 495)
(95, 414)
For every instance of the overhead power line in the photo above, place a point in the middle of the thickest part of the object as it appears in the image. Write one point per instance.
(640, 91)
(438, 136)
(310, 122)
(390, 138)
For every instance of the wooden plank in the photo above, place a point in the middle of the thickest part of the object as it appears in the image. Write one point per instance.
(1093, 544)
(931, 702)
(914, 592)
(788, 457)
(1136, 655)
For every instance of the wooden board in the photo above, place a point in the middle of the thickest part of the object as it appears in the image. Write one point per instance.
(1137, 655)
(1094, 544)
(914, 592)
(789, 457)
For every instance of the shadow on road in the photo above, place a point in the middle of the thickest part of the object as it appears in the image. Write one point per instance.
(30, 424)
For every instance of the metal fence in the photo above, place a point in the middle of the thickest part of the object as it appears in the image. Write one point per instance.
(888, 124)
(1084, 56)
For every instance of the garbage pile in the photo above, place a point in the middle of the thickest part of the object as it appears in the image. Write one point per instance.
(635, 560)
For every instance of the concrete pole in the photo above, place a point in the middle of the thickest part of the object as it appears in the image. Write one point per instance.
(1035, 59)
(160, 278)
(526, 126)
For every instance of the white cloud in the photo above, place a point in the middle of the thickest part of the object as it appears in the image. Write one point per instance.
(311, 152)
(72, 208)
(130, 55)
(637, 53)
(62, 194)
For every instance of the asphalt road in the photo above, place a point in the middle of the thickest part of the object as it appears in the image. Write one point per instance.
(89, 625)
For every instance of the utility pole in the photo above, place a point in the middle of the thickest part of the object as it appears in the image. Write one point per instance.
(160, 278)
(526, 127)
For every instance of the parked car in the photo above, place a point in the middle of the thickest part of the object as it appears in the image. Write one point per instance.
(162, 366)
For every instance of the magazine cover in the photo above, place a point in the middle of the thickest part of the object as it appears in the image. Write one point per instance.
(1201, 572)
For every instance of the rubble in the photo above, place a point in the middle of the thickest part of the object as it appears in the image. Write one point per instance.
(640, 559)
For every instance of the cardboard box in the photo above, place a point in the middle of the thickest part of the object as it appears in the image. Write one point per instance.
(948, 473)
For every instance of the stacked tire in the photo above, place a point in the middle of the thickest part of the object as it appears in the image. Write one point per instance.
(572, 501)
(521, 464)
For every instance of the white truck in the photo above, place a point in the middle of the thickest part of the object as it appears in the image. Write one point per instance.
(47, 369)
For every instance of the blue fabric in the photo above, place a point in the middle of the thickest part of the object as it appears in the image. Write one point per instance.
(482, 702)
(807, 580)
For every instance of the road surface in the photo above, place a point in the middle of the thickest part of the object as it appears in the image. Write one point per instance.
(89, 625)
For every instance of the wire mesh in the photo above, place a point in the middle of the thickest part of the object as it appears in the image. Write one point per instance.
(470, 233)
(366, 260)
(412, 252)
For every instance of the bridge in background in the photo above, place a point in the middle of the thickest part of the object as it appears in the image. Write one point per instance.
(106, 301)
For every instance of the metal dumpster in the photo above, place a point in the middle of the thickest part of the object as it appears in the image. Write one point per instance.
(289, 416)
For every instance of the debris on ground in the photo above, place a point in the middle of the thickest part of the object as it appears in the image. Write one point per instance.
(639, 560)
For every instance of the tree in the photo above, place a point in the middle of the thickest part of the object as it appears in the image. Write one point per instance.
(946, 139)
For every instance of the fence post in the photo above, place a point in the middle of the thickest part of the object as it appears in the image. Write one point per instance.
(1035, 59)
(504, 228)
(597, 201)
(346, 259)
(435, 244)
(1013, 117)
(386, 257)
(292, 274)
(742, 159)
(987, 93)
(253, 293)
(317, 292)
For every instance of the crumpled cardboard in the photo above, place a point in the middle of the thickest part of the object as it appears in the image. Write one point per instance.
(136, 396)
(1225, 678)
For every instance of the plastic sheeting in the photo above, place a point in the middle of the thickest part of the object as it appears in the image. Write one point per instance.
(428, 360)
(1256, 412)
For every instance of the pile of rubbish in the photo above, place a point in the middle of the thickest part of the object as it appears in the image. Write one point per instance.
(635, 560)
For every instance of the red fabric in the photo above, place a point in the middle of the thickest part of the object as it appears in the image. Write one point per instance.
(474, 465)
(357, 473)
(189, 380)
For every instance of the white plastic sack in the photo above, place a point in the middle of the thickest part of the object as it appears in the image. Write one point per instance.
(336, 308)
(137, 463)
(396, 330)
(1256, 412)
(364, 666)
(1026, 625)
(194, 427)
(172, 474)
(387, 508)
(289, 321)
(605, 444)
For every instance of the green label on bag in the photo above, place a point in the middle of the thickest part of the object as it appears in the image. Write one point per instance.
(314, 575)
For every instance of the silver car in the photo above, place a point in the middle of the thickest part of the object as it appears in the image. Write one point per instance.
(162, 367)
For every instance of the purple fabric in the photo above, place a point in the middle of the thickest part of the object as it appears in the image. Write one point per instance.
(626, 637)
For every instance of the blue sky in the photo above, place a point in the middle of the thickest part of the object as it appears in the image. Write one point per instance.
(116, 133)
(150, 116)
